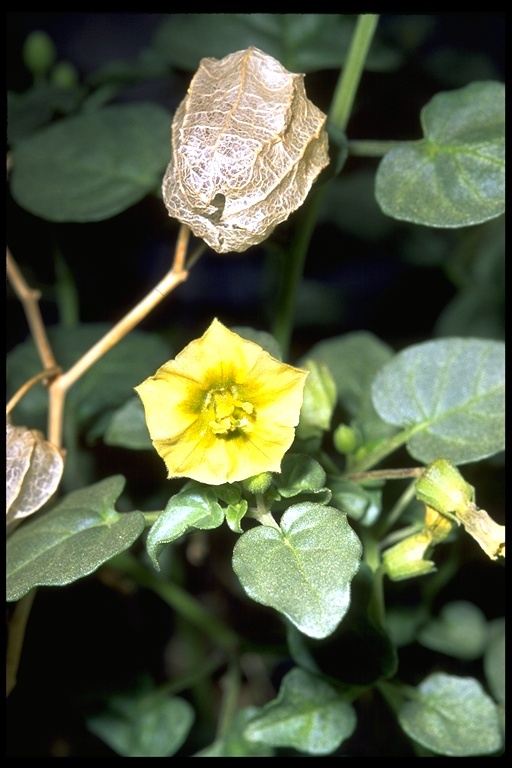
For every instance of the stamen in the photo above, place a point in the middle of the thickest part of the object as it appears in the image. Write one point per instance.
(230, 413)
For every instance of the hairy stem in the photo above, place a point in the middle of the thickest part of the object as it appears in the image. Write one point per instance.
(340, 111)
(345, 93)
(29, 299)
(293, 270)
(16, 633)
(60, 386)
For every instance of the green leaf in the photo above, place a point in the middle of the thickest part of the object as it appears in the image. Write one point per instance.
(449, 397)
(455, 177)
(308, 715)
(359, 502)
(304, 42)
(303, 570)
(360, 652)
(232, 742)
(460, 631)
(478, 270)
(148, 64)
(299, 474)
(403, 623)
(494, 660)
(144, 725)
(31, 110)
(229, 493)
(94, 165)
(196, 506)
(300, 651)
(235, 513)
(79, 534)
(353, 360)
(127, 427)
(452, 716)
(265, 340)
(107, 385)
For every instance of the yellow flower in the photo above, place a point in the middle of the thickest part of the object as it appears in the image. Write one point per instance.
(223, 410)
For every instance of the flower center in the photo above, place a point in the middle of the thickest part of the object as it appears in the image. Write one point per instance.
(228, 412)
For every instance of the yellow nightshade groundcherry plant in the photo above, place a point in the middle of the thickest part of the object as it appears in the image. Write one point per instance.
(273, 499)
(223, 410)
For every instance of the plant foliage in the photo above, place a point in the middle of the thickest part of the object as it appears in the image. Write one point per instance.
(326, 601)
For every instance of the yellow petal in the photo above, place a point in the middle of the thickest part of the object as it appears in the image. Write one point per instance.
(166, 405)
(223, 410)
(219, 354)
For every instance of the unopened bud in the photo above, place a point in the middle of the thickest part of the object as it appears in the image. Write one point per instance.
(442, 487)
(345, 439)
(405, 559)
(39, 52)
(319, 401)
(258, 483)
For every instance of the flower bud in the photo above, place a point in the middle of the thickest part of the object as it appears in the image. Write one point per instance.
(405, 559)
(258, 483)
(39, 52)
(319, 401)
(64, 75)
(442, 487)
(345, 439)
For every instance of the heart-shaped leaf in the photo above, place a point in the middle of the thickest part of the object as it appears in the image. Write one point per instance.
(460, 631)
(93, 165)
(71, 541)
(128, 427)
(455, 177)
(308, 714)
(304, 569)
(452, 716)
(231, 742)
(353, 360)
(494, 660)
(449, 396)
(144, 725)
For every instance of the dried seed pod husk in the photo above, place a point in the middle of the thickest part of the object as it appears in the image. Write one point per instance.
(34, 469)
(247, 144)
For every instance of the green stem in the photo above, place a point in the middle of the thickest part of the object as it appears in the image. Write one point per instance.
(395, 513)
(204, 669)
(381, 451)
(261, 513)
(231, 684)
(185, 605)
(15, 636)
(339, 114)
(384, 474)
(394, 694)
(372, 558)
(369, 148)
(293, 270)
(150, 518)
(350, 76)
(66, 294)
